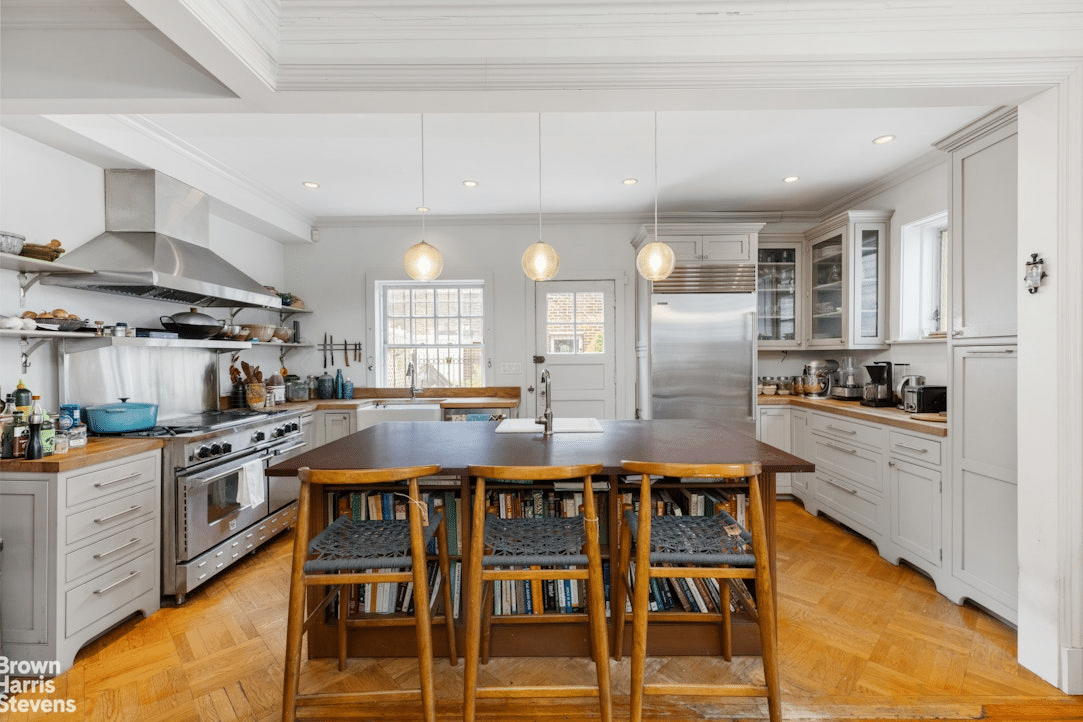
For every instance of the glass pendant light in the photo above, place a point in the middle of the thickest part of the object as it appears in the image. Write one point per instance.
(655, 260)
(423, 262)
(540, 261)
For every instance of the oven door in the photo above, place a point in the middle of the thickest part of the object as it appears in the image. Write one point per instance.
(219, 502)
(283, 490)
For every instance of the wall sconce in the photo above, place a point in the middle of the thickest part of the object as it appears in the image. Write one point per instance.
(1034, 275)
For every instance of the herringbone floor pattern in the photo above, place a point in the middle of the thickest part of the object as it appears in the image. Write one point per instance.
(860, 639)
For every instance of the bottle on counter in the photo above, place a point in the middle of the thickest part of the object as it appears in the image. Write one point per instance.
(48, 434)
(20, 434)
(23, 398)
(339, 381)
(347, 389)
(7, 428)
(34, 447)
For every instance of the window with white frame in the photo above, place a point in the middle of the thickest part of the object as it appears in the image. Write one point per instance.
(437, 326)
(923, 278)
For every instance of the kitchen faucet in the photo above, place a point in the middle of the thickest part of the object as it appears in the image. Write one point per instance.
(411, 373)
(546, 418)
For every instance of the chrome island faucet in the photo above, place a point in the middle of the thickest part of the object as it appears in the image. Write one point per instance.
(411, 373)
(546, 419)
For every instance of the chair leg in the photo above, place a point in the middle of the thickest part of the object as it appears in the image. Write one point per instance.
(487, 594)
(472, 597)
(422, 613)
(766, 606)
(342, 628)
(445, 572)
(596, 614)
(295, 616)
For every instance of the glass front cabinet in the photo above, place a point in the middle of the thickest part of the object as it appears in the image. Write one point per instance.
(847, 281)
(779, 292)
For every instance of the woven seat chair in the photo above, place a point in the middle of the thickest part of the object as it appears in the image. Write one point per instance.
(345, 553)
(533, 549)
(689, 546)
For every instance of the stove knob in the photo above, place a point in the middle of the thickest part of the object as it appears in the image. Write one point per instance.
(279, 432)
(259, 436)
(203, 452)
(216, 449)
(294, 426)
(226, 448)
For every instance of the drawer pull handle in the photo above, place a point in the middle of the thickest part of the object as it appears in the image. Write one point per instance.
(114, 550)
(119, 514)
(118, 582)
(839, 486)
(841, 448)
(851, 432)
(103, 484)
(912, 448)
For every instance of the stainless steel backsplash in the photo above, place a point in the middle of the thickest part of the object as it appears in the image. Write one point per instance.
(181, 381)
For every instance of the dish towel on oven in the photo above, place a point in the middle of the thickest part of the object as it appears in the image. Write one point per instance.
(251, 486)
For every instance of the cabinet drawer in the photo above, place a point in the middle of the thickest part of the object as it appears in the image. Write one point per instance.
(97, 484)
(853, 505)
(915, 447)
(847, 430)
(92, 600)
(111, 514)
(849, 461)
(103, 553)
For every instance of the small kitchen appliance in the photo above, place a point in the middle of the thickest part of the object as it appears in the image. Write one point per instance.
(879, 391)
(820, 378)
(902, 383)
(849, 386)
(925, 399)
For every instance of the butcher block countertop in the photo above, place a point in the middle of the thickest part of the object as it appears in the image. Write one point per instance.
(887, 415)
(97, 450)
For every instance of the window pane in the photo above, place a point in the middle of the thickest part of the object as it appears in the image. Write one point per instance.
(589, 307)
(447, 302)
(472, 330)
(447, 330)
(591, 338)
(424, 331)
(471, 302)
(559, 307)
(398, 330)
(398, 302)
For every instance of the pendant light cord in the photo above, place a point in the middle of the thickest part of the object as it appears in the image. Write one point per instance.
(656, 175)
(426, 211)
(539, 179)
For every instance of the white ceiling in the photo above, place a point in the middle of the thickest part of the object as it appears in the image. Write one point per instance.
(246, 99)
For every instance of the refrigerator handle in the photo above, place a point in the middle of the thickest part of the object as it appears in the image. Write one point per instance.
(752, 365)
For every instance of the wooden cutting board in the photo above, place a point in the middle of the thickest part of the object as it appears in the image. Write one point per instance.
(941, 416)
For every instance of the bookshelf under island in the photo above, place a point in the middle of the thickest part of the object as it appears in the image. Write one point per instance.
(456, 446)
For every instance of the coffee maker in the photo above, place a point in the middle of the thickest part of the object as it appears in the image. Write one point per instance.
(879, 391)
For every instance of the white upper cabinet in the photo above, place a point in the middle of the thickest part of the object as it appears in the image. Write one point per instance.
(779, 294)
(847, 280)
(705, 242)
(985, 270)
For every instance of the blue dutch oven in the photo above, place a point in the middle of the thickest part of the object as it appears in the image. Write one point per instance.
(121, 418)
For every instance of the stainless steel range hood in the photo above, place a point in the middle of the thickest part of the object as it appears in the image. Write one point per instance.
(155, 246)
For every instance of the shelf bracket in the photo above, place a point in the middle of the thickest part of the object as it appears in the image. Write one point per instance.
(28, 350)
(26, 280)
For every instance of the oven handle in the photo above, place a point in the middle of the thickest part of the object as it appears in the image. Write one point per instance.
(199, 480)
(289, 448)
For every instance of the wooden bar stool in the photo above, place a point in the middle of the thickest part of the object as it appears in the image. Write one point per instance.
(528, 549)
(696, 546)
(390, 551)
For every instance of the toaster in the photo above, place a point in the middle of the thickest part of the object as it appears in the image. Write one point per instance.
(922, 399)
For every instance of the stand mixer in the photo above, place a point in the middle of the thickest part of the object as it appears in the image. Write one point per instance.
(819, 378)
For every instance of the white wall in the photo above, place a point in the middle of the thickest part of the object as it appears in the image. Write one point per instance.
(46, 194)
(333, 275)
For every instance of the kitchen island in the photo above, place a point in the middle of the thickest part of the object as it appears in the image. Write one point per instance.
(456, 446)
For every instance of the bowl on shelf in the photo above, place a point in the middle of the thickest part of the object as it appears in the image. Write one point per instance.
(262, 332)
(60, 324)
(11, 243)
(283, 333)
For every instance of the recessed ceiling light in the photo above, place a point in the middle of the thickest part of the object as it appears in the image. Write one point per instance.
(883, 139)
(630, 181)
(791, 179)
(422, 209)
(311, 184)
(470, 183)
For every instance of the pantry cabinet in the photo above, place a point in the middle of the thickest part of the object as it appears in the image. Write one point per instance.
(847, 281)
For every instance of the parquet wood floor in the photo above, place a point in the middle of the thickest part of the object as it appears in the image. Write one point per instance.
(860, 639)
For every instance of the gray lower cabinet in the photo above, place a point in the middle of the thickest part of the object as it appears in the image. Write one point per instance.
(916, 489)
(803, 486)
(84, 547)
(774, 428)
(849, 473)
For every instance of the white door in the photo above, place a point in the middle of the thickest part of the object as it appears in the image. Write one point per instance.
(575, 327)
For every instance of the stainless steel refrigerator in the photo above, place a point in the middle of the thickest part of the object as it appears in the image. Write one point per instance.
(703, 357)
